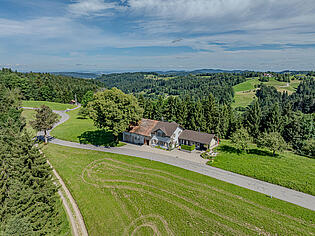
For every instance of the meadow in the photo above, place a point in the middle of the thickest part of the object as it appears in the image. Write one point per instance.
(287, 169)
(245, 92)
(82, 130)
(123, 195)
(52, 105)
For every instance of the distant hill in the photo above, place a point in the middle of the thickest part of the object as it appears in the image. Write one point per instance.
(82, 75)
(199, 71)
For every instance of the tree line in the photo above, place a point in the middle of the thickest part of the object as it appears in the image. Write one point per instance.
(47, 87)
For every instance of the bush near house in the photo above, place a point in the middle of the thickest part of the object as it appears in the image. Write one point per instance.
(188, 148)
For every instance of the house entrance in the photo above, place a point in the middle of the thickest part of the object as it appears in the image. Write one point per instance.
(147, 142)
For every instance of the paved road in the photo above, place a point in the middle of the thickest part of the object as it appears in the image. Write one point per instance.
(285, 194)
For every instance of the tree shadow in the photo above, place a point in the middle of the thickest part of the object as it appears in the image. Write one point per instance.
(98, 138)
(230, 149)
(81, 118)
(261, 152)
(255, 151)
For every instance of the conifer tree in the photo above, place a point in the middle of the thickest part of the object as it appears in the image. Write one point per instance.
(211, 114)
(273, 120)
(252, 119)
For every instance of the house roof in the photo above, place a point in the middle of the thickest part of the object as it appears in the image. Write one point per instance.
(167, 127)
(144, 128)
(195, 136)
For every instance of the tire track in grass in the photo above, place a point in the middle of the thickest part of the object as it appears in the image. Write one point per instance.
(252, 204)
(191, 202)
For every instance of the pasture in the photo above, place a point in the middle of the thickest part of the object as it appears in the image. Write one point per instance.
(245, 92)
(52, 105)
(123, 195)
(287, 169)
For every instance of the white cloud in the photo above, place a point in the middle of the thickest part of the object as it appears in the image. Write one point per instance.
(91, 7)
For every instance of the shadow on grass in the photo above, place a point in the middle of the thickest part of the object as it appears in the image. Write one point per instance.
(82, 118)
(230, 149)
(254, 151)
(262, 153)
(98, 138)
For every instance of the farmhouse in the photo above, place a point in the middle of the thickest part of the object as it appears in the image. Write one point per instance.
(167, 135)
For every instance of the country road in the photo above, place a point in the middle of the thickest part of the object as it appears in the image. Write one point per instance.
(276, 191)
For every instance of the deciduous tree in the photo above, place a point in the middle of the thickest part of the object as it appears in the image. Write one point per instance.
(241, 139)
(114, 111)
(272, 141)
(45, 118)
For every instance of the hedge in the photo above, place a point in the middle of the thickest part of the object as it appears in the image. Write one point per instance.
(188, 148)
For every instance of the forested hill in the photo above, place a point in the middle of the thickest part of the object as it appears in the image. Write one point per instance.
(47, 87)
(195, 86)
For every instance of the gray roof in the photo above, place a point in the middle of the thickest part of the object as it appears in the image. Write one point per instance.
(167, 127)
(197, 137)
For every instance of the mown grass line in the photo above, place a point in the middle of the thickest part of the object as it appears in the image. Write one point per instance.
(120, 195)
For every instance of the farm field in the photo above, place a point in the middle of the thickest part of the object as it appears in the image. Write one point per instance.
(122, 195)
(245, 92)
(52, 105)
(287, 169)
(78, 129)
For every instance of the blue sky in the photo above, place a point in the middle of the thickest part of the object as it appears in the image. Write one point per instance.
(141, 35)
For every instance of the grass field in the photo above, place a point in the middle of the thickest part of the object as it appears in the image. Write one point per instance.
(243, 99)
(80, 130)
(245, 92)
(122, 195)
(287, 169)
(52, 105)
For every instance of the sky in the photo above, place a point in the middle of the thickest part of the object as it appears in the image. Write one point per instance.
(154, 35)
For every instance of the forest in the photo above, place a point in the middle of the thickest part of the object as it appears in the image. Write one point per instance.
(195, 86)
(47, 87)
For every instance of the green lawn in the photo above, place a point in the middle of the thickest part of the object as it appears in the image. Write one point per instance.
(288, 170)
(247, 85)
(80, 130)
(122, 195)
(245, 92)
(52, 105)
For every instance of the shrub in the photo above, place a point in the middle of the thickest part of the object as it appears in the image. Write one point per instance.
(188, 148)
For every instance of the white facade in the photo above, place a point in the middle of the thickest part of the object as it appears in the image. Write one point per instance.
(159, 139)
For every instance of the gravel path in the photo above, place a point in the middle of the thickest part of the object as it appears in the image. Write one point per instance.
(272, 190)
